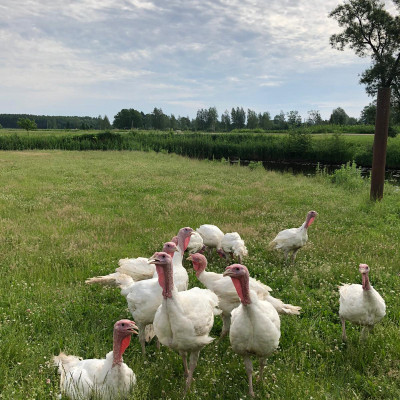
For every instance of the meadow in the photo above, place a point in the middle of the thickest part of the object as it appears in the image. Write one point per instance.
(68, 216)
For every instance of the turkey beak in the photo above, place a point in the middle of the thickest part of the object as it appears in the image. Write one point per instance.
(152, 260)
(227, 272)
(189, 258)
(133, 328)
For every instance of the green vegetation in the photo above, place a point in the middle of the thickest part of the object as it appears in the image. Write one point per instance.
(207, 120)
(10, 121)
(299, 145)
(67, 216)
(27, 124)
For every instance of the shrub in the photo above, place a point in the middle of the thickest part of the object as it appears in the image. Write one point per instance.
(348, 176)
(299, 143)
(255, 165)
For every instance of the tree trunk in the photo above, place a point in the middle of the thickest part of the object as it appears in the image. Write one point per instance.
(380, 143)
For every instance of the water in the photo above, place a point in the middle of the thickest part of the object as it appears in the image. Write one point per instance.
(310, 169)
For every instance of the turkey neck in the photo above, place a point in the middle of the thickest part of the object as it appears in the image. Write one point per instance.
(165, 279)
(171, 254)
(183, 242)
(120, 343)
(309, 220)
(199, 268)
(242, 288)
(365, 282)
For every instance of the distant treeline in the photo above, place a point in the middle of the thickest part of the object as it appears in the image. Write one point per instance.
(207, 120)
(295, 146)
(56, 122)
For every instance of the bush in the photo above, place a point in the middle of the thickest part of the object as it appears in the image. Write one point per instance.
(299, 143)
(348, 176)
(255, 165)
(392, 132)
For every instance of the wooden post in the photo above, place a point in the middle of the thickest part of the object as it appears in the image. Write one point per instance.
(380, 143)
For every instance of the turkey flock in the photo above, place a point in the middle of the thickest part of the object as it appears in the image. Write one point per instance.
(163, 308)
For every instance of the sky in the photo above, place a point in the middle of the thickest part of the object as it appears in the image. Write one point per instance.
(96, 57)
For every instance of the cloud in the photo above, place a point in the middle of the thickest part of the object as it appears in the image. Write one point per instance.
(173, 53)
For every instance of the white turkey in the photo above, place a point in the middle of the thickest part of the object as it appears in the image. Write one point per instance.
(223, 287)
(107, 378)
(292, 240)
(144, 297)
(184, 320)
(233, 245)
(360, 304)
(137, 268)
(255, 328)
(212, 237)
(196, 244)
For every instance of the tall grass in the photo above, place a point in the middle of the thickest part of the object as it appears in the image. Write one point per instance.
(297, 146)
(67, 216)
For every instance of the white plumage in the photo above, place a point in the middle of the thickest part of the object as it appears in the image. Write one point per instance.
(196, 243)
(144, 297)
(292, 240)
(184, 320)
(255, 328)
(137, 268)
(106, 379)
(360, 304)
(212, 237)
(233, 245)
(223, 287)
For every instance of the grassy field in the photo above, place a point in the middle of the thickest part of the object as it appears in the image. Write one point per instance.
(67, 216)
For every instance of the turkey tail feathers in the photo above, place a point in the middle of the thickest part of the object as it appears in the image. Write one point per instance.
(283, 308)
(106, 280)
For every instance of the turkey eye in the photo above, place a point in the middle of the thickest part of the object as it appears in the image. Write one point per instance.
(123, 324)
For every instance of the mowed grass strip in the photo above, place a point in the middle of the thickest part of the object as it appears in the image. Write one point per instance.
(67, 216)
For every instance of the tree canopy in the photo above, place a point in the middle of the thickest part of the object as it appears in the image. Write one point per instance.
(372, 31)
(27, 124)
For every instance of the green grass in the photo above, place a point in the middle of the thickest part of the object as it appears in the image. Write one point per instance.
(67, 216)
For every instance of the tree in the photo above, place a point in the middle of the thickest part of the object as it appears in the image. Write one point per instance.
(280, 121)
(314, 117)
(184, 123)
(339, 117)
(201, 119)
(159, 120)
(105, 123)
(293, 119)
(173, 122)
(372, 31)
(226, 121)
(212, 119)
(252, 119)
(26, 123)
(368, 114)
(238, 118)
(128, 119)
(264, 120)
